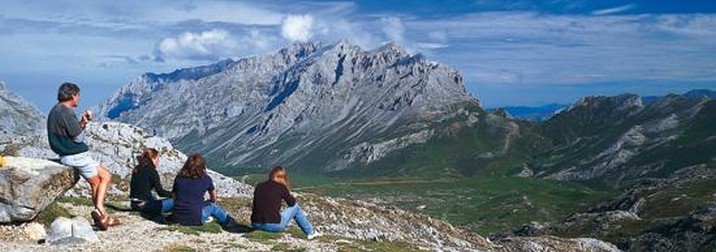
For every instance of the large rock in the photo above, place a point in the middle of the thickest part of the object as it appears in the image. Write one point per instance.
(28, 186)
(71, 231)
(116, 146)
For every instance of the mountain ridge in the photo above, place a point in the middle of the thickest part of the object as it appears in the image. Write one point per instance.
(303, 90)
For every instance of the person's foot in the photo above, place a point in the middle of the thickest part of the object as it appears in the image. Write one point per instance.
(314, 235)
(98, 221)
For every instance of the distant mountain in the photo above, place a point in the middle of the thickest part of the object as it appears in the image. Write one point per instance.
(311, 107)
(658, 154)
(537, 114)
(18, 116)
(620, 140)
(696, 93)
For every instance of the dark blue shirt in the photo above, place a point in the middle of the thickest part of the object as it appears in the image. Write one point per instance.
(189, 200)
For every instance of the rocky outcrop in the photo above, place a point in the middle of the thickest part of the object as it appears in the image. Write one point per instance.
(18, 116)
(27, 186)
(116, 146)
(548, 243)
(289, 108)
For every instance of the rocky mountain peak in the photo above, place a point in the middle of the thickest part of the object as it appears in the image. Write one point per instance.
(619, 102)
(275, 108)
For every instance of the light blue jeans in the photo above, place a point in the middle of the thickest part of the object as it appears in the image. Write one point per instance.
(153, 205)
(212, 209)
(288, 214)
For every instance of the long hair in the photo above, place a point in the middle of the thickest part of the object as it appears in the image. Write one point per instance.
(279, 175)
(194, 167)
(145, 159)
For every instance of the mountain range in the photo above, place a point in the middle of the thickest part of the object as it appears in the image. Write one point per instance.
(364, 115)
(310, 107)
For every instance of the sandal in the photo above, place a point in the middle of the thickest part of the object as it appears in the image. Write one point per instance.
(112, 221)
(97, 217)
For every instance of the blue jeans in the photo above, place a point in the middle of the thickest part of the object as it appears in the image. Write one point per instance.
(288, 214)
(154, 206)
(212, 209)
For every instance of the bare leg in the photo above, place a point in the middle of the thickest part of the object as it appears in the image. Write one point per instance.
(104, 177)
(94, 185)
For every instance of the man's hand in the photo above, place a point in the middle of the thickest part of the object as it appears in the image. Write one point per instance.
(86, 117)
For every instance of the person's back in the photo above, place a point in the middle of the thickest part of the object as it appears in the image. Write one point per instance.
(190, 186)
(189, 201)
(142, 183)
(268, 195)
(145, 178)
(62, 128)
(267, 202)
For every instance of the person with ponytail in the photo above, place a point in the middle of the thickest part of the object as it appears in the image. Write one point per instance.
(145, 178)
(190, 186)
(265, 212)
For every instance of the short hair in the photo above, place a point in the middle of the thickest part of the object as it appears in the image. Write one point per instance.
(66, 91)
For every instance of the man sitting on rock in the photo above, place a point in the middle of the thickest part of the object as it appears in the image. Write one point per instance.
(65, 133)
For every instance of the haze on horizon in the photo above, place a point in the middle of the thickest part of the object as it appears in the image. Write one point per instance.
(510, 52)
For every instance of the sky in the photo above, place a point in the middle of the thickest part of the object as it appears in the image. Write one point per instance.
(510, 52)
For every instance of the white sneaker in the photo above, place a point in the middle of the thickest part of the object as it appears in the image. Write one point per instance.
(314, 235)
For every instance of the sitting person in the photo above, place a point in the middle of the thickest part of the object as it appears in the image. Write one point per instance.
(267, 204)
(190, 186)
(144, 179)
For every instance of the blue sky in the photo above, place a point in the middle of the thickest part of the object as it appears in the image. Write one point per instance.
(511, 52)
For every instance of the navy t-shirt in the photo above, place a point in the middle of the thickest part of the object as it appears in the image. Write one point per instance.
(189, 200)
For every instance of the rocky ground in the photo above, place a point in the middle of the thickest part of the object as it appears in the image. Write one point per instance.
(348, 225)
(140, 234)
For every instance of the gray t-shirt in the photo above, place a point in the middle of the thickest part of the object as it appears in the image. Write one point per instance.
(64, 131)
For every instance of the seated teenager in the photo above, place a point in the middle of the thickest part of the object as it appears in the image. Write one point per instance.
(144, 179)
(190, 186)
(265, 213)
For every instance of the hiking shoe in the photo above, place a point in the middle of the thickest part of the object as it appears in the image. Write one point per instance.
(314, 235)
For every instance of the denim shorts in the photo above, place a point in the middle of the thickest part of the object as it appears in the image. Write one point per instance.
(83, 162)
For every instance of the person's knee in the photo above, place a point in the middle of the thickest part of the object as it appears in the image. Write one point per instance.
(104, 174)
(94, 181)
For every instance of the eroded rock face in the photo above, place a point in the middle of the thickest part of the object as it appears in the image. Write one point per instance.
(18, 116)
(289, 107)
(28, 186)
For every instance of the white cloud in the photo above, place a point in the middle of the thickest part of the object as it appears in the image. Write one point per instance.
(393, 28)
(297, 27)
(614, 10)
(432, 45)
(212, 45)
(439, 36)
